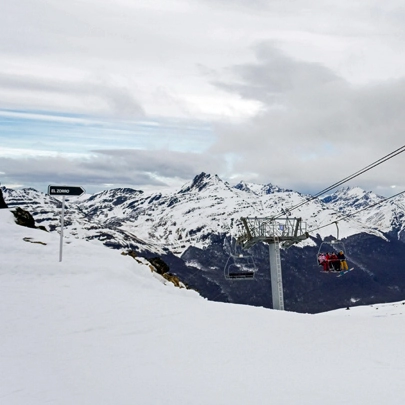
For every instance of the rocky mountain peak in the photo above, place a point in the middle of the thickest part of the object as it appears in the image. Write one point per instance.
(259, 189)
(353, 196)
(116, 195)
(201, 182)
(243, 186)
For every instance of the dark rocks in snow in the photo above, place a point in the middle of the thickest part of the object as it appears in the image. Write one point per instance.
(28, 239)
(201, 182)
(131, 253)
(24, 218)
(2, 202)
(160, 266)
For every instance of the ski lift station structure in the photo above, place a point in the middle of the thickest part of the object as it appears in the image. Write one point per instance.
(273, 231)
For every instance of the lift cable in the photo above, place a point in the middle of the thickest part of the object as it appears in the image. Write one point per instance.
(352, 176)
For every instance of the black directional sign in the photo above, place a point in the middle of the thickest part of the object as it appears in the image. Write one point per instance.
(65, 190)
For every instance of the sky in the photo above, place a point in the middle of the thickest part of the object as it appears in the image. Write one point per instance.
(149, 93)
(101, 328)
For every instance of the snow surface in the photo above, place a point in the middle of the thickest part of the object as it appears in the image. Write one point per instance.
(99, 328)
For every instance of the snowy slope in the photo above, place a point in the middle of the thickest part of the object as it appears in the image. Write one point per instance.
(387, 216)
(98, 328)
(79, 224)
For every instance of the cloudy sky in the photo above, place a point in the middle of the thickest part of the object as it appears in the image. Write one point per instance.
(149, 93)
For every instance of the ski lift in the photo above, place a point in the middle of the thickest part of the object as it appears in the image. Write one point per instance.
(240, 264)
(333, 246)
(240, 267)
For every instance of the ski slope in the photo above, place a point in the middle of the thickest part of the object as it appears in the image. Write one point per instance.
(99, 328)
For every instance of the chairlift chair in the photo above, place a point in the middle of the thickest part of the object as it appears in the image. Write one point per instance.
(331, 246)
(240, 267)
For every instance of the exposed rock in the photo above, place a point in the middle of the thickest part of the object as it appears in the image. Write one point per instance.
(23, 218)
(160, 266)
(174, 279)
(163, 269)
(130, 253)
(27, 239)
(2, 202)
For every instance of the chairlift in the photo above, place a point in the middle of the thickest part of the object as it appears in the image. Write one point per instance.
(333, 246)
(240, 267)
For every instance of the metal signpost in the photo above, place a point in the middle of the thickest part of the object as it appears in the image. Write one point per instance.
(64, 191)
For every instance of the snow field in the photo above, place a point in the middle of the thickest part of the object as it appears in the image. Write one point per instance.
(99, 329)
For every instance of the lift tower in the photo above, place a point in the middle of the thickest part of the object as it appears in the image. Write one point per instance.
(273, 231)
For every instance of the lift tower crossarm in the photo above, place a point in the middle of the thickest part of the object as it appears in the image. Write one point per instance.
(284, 230)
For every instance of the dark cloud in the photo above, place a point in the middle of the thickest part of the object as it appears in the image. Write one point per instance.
(275, 76)
(165, 163)
(133, 168)
(314, 128)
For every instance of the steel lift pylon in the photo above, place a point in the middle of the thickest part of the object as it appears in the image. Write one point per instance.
(273, 231)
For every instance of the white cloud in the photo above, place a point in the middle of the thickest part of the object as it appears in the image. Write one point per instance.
(315, 90)
(315, 128)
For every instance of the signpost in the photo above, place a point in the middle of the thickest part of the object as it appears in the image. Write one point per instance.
(64, 191)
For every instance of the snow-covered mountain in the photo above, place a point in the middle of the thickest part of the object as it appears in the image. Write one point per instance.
(208, 205)
(79, 224)
(101, 328)
(386, 216)
(192, 228)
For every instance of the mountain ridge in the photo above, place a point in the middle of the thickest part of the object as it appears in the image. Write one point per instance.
(191, 229)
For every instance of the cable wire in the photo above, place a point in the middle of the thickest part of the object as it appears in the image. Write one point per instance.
(350, 177)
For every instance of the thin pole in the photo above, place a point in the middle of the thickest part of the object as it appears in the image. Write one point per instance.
(62, 222)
